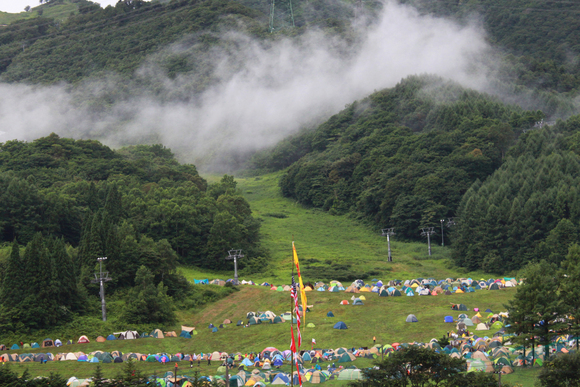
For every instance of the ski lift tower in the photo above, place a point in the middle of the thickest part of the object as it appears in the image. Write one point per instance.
(428, 231)
(235, 255)
(100, 278)
(388, 232)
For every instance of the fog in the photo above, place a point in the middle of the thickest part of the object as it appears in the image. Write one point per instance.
(260, 93)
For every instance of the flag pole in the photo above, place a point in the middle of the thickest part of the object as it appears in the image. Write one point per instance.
(292, 322)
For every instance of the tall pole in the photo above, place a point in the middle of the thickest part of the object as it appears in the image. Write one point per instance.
(388, 232)
(292, 309)
(442, 237)
(235, 255)
(428, 231)
(101, 278)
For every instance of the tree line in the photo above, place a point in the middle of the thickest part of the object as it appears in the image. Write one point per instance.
(528, 210)
(72, 201)
(403, 157)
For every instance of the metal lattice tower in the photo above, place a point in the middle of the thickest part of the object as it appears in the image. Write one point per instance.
(388, 232)
(100, 278)
(273, 12)
(428, 231)
(235, 255)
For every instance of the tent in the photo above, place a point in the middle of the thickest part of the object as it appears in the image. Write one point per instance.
(129, 335)
(281, 379)
(214, 330)
(357, 301)
(100, 339)
(185, 335)
(411, 318)
(344, 302)
(310, 325)
(83, 340)
(157, 334)
(340, 325)
(57, 343)
(458, 306)
(330, 314)
(47, 343)
(111, 337)
(448, 319)
(481, 327)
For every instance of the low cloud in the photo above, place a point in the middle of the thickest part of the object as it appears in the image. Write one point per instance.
(260, 92)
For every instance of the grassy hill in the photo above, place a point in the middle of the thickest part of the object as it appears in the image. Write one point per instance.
(320, 236)
(325, 243)
(58, 12)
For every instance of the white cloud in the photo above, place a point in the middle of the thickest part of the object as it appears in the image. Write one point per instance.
(273, 92)
(16, 6)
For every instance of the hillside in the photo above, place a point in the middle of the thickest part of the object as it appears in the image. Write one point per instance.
(403, 157)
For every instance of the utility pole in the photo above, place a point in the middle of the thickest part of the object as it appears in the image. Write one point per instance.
(442, 236)
(100, 278)
(235, 255)
(388, 232)
(428, 231)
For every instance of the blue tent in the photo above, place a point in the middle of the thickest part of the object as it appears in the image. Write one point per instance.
(306, 356)
(201, 282)
(94, 360)
(214, 329)
(340, 325)
(210, 326)
(111, 337)
(277, 363)
(330, 314)
(448, 319)
(15, 346)
(281, 378)
(247, 362)
(185, 335)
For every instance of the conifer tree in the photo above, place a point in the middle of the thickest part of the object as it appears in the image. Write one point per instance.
(13, 286)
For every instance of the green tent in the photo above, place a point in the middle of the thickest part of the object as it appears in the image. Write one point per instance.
(151, 358)
(277, 320)
(384, 293)
(254, 321)
(497, 325)
(350, 374)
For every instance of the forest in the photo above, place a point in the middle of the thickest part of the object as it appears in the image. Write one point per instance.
(72, 201)
(402, 158)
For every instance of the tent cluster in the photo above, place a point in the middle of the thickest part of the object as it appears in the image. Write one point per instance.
(186, 332)
(418, 286)
(480, 321)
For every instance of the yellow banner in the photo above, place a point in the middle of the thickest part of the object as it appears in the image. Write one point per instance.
(302, 291)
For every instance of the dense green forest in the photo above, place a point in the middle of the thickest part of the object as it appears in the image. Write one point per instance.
(527, 210)
(403, 157)
(537, 42)
(72, 201)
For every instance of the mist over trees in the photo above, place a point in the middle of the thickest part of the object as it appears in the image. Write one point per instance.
(403, 157)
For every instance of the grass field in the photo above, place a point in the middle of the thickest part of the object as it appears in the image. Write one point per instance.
(57, 12)
(322, 237)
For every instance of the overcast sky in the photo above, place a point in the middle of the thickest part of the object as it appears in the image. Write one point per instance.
(15, 6)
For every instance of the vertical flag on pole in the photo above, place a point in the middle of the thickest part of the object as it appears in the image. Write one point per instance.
(293, 349)
(302, 291)
(294, 296)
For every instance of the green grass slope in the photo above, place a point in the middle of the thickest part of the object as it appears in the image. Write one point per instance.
(57, 12)
(322, 239)
(320, 236)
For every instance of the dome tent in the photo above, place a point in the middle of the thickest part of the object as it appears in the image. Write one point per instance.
(340, 325)
(411, 318)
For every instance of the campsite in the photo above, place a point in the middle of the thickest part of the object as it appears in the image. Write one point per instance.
(383, 317)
